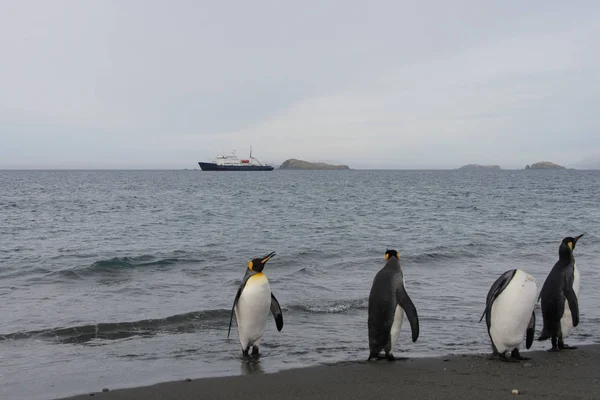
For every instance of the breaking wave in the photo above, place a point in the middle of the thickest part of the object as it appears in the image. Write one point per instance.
(180, 323)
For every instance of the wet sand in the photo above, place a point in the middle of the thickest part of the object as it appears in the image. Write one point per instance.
(570, 374)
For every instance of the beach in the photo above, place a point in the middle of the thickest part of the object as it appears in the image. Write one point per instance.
(570, 374)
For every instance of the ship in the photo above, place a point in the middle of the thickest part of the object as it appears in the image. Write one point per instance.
(231, 162)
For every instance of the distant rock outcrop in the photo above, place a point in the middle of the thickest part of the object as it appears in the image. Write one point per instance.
(292, 163)
(544, 165)
(477, 166)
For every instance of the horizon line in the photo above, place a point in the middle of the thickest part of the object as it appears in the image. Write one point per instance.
(278, 169)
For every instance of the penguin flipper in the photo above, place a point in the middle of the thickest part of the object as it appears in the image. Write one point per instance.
(276, 311)
(482, 315)
(407, 305)
(573, 304)
(237, 297)
(530, 331)
(497, 288)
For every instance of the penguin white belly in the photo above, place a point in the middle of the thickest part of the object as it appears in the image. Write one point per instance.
(396, 325)
(252, 310)
(512, 311)
(566, 321)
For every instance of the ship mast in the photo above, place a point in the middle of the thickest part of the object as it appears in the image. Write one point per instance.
(251, 152)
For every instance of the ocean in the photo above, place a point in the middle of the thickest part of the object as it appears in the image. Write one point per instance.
(113, 279)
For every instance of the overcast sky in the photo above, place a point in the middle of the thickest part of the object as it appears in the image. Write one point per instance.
(398, 84)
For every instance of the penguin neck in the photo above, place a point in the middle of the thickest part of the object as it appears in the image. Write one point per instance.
(393, 262)
(565, 254)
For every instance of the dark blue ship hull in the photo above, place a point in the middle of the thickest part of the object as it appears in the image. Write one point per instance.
(214, 167)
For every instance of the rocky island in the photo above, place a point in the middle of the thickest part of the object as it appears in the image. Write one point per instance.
(544, 165)
(477, 166)
(292, 163)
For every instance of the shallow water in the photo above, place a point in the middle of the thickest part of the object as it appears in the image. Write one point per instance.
(123, 278)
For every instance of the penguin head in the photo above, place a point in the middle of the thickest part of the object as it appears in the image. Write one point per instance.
(391, 253)
(568, 243)
(258, 264)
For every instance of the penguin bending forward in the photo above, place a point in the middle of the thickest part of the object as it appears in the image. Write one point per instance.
(509, 313)
(559, 295)
(252, 304)
(388, 301)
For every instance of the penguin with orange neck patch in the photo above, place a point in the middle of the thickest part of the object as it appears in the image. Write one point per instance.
(252, 304)
(388, 302)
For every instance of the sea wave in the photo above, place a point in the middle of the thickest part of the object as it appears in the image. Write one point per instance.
(333, 307)
(109, 266)
(180, 323)
(117, 263)
(445, 253)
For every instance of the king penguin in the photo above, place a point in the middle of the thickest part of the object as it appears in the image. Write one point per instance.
(509, 313)
(559, 295)
(252, 304)
(388, 301)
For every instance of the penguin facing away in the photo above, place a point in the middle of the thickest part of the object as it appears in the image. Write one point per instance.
(388, 301)
(252, 304)
(509, 313)
(559, 297)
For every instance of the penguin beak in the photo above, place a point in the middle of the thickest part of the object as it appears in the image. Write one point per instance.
(578, 237)
(268, 257)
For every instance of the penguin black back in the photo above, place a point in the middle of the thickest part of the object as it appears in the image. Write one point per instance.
(382, 298)
(558, 287)
(387, 292)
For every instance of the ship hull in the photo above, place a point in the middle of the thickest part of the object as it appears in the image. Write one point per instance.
(214, 167)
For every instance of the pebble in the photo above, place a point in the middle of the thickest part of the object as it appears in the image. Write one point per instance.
(188, 380)
(105, 390)
(515, 391)
(527, 365)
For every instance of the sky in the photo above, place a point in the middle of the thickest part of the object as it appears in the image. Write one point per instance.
(377, 84)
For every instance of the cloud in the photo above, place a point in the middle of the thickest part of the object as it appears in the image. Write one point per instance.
(393, 84)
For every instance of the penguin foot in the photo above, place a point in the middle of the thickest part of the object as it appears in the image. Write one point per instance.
(379, 356)
(517, 356)
(246, 352)
(554, 349)
(566, 347)
(254, 350)
(506, 359)
(494, 354)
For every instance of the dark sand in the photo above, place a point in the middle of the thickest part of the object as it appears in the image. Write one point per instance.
(570, 374)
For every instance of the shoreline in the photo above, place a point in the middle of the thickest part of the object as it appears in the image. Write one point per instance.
(565, 374)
